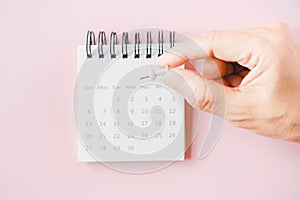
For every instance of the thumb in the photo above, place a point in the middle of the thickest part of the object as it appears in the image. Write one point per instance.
(204, 94)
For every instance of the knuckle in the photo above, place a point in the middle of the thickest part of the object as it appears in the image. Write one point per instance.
(204, 98)
(260, 42)
(280, 25)
(281, 33)
(213, 34)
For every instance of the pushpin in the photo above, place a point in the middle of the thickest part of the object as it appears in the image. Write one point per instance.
(155, 72)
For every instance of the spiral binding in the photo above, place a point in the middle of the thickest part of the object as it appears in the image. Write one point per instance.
(160, 43)
(149, 45)
(137, 42)
(172, 39)
(90, 40)
(124, 44)
(101, 42)
(113, 42)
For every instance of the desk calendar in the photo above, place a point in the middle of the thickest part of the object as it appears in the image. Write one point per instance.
(124, 113)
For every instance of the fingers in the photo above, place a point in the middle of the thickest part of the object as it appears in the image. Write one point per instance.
(276, 28)
(181, 53)
(203, 94)
(223, 82)
(229, 46)
(234, 80)
(211, 68)
(230, 74)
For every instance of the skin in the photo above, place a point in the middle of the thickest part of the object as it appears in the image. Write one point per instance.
(251, 77)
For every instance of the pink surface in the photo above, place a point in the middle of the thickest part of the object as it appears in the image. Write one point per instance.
(38, 134)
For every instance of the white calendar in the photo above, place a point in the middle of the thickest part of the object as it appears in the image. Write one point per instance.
(124, 111)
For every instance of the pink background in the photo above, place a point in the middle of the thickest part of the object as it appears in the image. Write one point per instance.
(38, 135)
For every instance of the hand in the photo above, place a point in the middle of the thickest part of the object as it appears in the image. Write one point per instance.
(259, 72)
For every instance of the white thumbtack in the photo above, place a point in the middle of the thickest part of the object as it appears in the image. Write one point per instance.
(155, 72)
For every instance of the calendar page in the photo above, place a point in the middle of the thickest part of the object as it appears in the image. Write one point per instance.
(123, 112)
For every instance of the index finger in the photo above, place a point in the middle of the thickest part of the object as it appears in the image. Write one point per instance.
(230, 46)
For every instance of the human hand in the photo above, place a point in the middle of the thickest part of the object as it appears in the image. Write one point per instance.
(259, 72)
